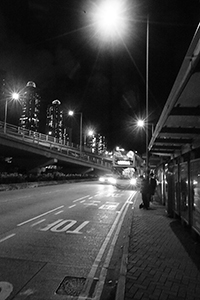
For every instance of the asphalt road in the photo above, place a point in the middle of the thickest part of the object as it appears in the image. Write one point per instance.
(56, 241)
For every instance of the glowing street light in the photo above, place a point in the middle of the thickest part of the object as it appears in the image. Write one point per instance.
(14, 96)
(71, 113)
(144, 124)
(109, 21)
(140, 123)
(110, 17)
(112, 21)
(88, 132)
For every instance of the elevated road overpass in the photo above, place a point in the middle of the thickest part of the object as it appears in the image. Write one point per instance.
(33, 150)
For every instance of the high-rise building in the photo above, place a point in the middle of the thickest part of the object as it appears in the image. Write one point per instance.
(30, 107)
(2, 82)
(2, 92)
(54, 120)
(97, 143)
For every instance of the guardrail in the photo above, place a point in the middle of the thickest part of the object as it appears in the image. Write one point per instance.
(54, 144)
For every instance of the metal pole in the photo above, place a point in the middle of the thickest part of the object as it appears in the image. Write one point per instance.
(147, 94)
(5, 118)
(152, 129)
(81, 131)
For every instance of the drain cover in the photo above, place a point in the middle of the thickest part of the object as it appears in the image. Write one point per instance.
(71, 286)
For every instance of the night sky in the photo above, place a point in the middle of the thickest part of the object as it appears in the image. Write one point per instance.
(56, 44)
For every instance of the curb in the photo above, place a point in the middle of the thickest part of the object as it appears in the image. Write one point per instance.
(120, 291)
(19, 186)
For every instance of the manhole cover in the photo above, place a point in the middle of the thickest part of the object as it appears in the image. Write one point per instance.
(71, 286)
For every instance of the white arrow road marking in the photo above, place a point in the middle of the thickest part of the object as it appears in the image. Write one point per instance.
(6, 289)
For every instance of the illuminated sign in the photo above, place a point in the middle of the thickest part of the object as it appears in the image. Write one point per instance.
(123, 162)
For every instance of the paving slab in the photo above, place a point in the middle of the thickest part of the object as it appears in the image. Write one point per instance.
(163, 258)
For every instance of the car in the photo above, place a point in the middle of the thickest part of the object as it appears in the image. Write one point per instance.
(107, 179)
(126, 183)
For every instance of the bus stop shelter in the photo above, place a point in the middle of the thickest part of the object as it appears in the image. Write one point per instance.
(176, 140)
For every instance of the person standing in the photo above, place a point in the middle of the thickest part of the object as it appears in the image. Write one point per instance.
(145, 191)
(152, 186)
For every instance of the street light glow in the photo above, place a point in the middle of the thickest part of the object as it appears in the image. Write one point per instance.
(111, 20)
(15, 96)
(108, 16)
(70, 113)
(91, 132)
(140, 123)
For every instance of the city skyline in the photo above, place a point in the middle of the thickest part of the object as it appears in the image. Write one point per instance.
(58, 123)
(54, 46)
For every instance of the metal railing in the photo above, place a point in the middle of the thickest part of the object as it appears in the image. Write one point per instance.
(55, 144)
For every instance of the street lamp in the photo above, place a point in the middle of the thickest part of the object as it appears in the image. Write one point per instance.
(14, 96)
(71, 113)
(88, 132)
(147, 94)
(112, 18)
(143, 124)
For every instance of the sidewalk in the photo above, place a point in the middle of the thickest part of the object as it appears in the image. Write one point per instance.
(163, 258)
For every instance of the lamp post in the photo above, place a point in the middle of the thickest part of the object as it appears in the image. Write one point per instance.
(143, 124)
(147, 94)
(112, 21)
(71, 113)
(14, 96)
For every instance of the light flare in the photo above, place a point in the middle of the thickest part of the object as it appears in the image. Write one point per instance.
(110, 20)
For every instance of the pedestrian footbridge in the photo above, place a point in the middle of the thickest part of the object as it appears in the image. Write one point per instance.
(37, 149)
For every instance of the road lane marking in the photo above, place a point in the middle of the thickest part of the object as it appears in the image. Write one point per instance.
(65, 228)
(104, 269)
(77, 230)
(90, 204)
(7, 237)
(61, 225)
(108, 206)
(38, 222)
(50, 225)
(59, 212)
(72, 206)
(101, 252)
(82, 201)
(37, 217)
(81, 198)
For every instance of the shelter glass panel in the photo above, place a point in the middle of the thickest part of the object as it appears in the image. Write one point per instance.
(184, 192)
(195, 193)
(176, 197)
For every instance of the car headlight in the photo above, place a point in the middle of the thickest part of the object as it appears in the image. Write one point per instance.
(112, 180)
(101, 179)
(133, 181)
